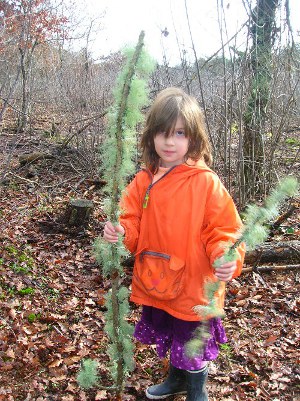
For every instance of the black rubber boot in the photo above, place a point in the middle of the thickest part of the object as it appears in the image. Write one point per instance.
(174, 384)
(196, 385)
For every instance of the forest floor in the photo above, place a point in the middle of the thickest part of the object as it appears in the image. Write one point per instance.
(52, 312)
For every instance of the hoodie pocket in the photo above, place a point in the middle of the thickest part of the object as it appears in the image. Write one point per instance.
(160, 274)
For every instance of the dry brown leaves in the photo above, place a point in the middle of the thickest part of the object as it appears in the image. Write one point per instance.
(52, 300)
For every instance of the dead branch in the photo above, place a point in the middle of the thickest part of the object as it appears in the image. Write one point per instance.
(34, 157)
(260, 269)
(283, 217)
(68, 139)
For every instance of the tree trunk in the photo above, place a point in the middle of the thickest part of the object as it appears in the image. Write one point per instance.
(24, 106)
(262, 33)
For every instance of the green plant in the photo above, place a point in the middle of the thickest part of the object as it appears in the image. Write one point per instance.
(14, 186)
(31, 317)
(130, 94)
(234, 128)
(87, 377)
(26, 258)
(11, 249)
(19, 269)
(7, 291)
(53, 293)
(292, 141)
(26, 291)
(290, 230)
(22, 260)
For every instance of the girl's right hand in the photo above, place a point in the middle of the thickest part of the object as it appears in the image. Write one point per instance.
(111, 233)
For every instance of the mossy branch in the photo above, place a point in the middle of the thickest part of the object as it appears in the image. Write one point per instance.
(119, 133)
(130, 94)
(254, 232)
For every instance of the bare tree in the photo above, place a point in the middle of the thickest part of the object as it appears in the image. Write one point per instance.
(31, 22)
(263, 33)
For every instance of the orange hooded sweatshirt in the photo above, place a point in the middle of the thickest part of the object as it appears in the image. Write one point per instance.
(187, 217)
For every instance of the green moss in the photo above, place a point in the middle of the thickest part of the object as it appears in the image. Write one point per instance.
(26, 291)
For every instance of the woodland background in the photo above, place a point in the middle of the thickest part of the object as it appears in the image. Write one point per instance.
(53, 107)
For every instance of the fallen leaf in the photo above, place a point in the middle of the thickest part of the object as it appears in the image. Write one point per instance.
(101, 395)
(71, 360)
(270, 340)
(55, 363)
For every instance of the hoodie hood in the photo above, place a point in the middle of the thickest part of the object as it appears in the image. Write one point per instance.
(191, 167)
(185, 170)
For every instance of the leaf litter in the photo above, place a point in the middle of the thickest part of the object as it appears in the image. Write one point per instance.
(52, 301)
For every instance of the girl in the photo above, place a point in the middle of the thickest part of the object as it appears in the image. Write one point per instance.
(176, 217)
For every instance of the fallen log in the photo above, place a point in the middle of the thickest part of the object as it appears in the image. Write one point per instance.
(33, 157)
(272, 252)
(270, 268)
(288, 251)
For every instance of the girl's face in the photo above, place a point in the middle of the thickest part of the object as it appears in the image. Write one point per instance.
(173, 148)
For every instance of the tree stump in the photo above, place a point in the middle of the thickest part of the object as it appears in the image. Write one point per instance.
(78, 212)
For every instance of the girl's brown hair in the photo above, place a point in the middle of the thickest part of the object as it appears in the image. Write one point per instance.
(162, 116)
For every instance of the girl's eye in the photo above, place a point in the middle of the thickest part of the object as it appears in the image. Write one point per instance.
(180, 133)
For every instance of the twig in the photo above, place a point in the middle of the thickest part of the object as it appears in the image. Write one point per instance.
(23, 178)
(258, 279)
(67, 140)
(40, 185)
(270, 268)
(57, 330)
(283, 217)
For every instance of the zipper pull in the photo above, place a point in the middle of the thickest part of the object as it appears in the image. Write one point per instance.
(146, 199)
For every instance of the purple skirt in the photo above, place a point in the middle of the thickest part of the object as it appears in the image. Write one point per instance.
(170, 334)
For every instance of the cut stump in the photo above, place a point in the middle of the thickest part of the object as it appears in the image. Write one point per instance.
(78, 213)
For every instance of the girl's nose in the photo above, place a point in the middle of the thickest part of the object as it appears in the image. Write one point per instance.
(169, 140)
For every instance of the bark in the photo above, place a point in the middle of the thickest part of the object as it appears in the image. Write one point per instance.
(283, 217)
(288, 251)
(262, 32)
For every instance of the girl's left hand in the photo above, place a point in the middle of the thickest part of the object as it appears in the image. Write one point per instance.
(225, 271)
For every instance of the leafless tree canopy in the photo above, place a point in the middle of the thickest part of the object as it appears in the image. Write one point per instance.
(50, 92)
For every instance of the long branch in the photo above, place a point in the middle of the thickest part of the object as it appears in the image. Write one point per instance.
(122, 107)
(119, 126)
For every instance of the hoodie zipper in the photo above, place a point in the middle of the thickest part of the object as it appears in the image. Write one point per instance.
(147, 194)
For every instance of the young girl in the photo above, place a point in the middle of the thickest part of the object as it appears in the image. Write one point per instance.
(176, 218)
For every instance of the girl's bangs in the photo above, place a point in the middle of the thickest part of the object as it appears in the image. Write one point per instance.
(166, 116)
